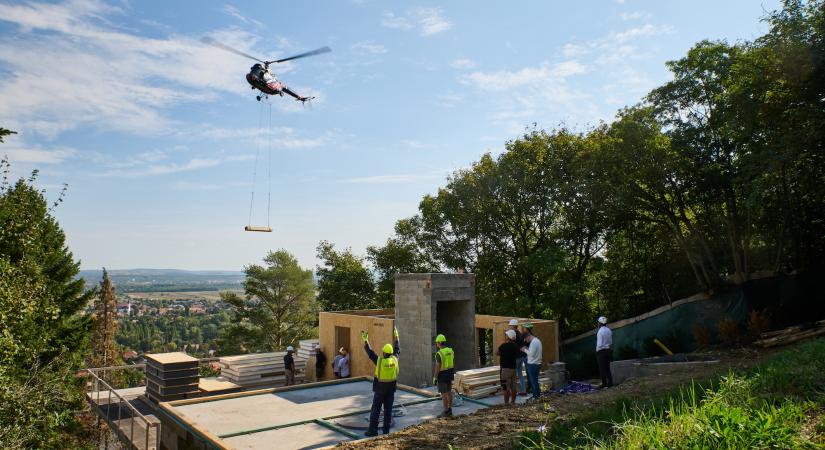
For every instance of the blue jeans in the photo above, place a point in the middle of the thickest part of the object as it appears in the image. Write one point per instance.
(520, 362)
(533, 377)
(379, 400)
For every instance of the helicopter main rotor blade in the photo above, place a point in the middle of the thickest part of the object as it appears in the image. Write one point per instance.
(317, 51)
(221, 45)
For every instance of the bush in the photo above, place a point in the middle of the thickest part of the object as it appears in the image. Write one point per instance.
(758, 322)
(729, 331)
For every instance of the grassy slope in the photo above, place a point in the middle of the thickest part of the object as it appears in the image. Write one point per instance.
(777, 404)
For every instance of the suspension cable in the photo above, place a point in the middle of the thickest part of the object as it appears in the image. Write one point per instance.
(255, 168)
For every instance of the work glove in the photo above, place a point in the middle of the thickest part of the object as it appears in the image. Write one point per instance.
(395, 332)
(365, 336)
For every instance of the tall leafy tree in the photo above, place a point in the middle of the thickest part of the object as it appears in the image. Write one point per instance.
(104, 326)
(277, 309)
(344, 282)
(43, 338)
(400, 254)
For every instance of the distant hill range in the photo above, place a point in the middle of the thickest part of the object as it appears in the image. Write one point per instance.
(171, 280)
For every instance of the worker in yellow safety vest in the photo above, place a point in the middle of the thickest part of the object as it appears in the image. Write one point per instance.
(383, 384)
(444, 374)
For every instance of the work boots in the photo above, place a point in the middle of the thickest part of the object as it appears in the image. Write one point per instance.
(446, 413)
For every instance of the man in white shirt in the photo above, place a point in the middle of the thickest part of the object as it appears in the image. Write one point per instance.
(604, 340)
(533, 351)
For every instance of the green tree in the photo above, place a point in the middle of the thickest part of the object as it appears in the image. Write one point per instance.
(43, 339)
(277, 309)
(104, 326)
(344, 282)
(400, 254)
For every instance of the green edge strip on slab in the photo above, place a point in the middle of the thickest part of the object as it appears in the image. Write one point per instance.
(478, 402)
(262, 429)
(304, 422)
(337, 429)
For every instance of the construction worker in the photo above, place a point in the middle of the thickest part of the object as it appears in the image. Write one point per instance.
(289, 367)
(384, 381)
(508, 353)
(534, 351)
(604, 339)
(521, 360)
(320, 363)
(444, 374)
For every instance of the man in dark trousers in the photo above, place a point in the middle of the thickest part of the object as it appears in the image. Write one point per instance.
(384, 381)
(320, 364)
(444, 374)
(289, 367)
(604, 340)
(508, 353)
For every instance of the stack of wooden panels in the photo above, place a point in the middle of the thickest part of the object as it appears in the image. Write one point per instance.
(307, 349)
(171, 376)
(478, 383)
(259, 369)
(791, 334)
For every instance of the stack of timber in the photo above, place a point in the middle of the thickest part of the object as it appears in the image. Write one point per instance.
(307, 349)
(259, 369)
(791, 334)
(171, 376)
(478, 383)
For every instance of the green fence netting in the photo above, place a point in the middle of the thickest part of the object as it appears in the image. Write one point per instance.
(676, 328)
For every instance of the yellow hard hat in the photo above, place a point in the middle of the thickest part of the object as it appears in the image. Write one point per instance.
(440, 338)
(388, 349)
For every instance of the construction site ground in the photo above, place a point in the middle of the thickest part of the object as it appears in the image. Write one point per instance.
(500, 426)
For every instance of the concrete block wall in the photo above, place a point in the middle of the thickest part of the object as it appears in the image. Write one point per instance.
(427, 304)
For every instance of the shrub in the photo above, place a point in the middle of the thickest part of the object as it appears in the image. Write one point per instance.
(729, 331)
(758, 321)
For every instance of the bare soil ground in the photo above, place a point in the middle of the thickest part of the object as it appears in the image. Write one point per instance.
(499, 427)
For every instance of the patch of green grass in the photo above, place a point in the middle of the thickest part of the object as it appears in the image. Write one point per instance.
(778, 404)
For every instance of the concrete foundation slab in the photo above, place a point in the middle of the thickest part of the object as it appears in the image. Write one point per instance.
(305, 436)
(280, 408)
(295, 417)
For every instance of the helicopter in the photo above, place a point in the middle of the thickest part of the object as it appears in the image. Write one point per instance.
(260, 77)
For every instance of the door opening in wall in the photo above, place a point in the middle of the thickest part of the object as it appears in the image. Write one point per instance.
(342, 338)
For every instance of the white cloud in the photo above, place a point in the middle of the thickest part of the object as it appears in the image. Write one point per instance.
(142, 168)
(431, 21)
(635, 15)
(390, 20)
(278, 137)
(428, 21)
(503, 80)
(234, 12)
(107, 78)
(36, 155)
(463, 63)
(369, 47)
(647, 30)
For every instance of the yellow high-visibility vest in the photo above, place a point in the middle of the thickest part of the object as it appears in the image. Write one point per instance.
(386, 369)
(447, 355)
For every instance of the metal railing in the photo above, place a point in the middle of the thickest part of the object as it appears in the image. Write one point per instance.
(99, 386)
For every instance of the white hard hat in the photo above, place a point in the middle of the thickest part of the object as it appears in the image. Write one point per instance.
(603, 320)
(290, 349)
(513, 322)
(510, 334)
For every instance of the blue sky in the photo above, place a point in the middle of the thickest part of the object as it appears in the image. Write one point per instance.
(156, 133)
